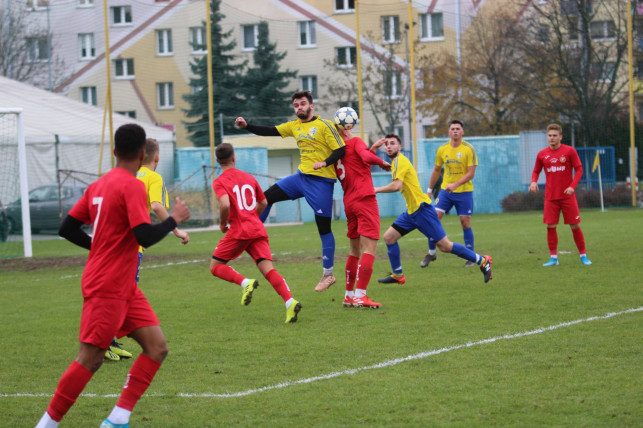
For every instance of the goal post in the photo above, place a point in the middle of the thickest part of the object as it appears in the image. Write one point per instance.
(13, 179)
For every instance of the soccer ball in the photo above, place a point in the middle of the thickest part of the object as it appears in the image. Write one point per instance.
(346, 118)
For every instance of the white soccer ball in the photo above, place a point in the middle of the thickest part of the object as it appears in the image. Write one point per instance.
(346, 118)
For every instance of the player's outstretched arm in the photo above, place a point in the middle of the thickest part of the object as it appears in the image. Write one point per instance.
(70, 229)
(148, 235)
(392, 187)
(162, 214)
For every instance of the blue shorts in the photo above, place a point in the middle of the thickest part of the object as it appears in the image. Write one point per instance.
(317, 191)
(462, 201)
(425, 219)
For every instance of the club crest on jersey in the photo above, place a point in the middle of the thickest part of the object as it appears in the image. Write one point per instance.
(459, 155)
(563, 159)
(312, 131)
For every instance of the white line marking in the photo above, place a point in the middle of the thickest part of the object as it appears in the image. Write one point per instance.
(383, 364)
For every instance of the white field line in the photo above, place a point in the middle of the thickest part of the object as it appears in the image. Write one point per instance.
(388, 363)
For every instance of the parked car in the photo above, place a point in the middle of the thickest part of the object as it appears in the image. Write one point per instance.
(4, 223)
(46, 208)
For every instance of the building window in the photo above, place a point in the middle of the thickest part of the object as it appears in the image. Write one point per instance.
(390, 29)
(131, 113)
(124, 68)
(165, 95)
(37, 4)
(88, 95)
(431, 26)
(164, 42)
(307, 36)
(121, 15)
(399, 130)
(352, 104)
(37, 49)
(308, 83)
(85, 3)
(604, 72)
(346, 56)
(572, 31)
(394, 84)
(198, 40)
(86, 46)
(250, 36)
(601, 30)
(344, 5)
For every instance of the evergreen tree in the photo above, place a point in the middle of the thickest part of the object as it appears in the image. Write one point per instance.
(266, 99)
(227, 82)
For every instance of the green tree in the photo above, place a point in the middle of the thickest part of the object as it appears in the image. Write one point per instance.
(265, 82)
(226, 88)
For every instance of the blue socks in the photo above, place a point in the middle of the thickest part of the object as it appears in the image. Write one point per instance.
(468, 238)
(465, 253)
(328, 249)
(394, 258)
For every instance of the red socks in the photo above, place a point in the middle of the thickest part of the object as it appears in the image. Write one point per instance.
(552, 241)
(138, 379)
(351, 272)
(227, 273)
(70, 385)
(365, 270)
(279, 284)
(579, 239)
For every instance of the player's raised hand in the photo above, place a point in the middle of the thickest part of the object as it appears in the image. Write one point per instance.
(180, 212)
(386, 166)
(240, 122)
(376, 145)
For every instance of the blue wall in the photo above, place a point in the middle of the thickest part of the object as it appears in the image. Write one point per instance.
(497, 175)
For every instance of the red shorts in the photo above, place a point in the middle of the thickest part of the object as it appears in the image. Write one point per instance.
(104, 318)
(363, 218)
(569, 207)
(231, 248)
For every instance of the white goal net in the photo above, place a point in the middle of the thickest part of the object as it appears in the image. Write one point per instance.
(15, 241)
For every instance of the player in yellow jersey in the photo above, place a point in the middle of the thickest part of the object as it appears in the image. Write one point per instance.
(459, 161)
(157, 198)
(420, 214)
(318, 141)
(158, 202)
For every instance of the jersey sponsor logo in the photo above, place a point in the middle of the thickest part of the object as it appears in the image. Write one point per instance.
(556, 168)
(554, 160)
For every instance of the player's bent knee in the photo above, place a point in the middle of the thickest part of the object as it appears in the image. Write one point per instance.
(323, 224)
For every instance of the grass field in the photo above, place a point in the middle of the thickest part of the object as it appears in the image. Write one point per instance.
(560, 346)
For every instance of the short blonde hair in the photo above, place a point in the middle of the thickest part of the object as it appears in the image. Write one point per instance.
(555, 127)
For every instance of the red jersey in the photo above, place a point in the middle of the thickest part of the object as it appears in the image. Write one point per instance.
(244, 193)
(354, 170)
(558, 166)
(114, 204)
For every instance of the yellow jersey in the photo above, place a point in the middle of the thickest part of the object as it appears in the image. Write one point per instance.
(402, 169)
(316, 140)
(156, 191)
(456, 162)
(155, 188)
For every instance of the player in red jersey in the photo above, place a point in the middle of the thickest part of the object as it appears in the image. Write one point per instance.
(559, 160)
(241, 201)
(116, 206)
(362, 216)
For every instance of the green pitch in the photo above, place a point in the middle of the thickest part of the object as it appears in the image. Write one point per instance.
(534, 347)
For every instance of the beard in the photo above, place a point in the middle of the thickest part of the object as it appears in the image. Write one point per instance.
(304, 114)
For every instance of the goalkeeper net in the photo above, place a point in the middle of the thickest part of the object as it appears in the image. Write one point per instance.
(13, 186)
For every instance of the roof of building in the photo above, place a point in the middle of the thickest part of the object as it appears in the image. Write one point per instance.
(47, 114)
